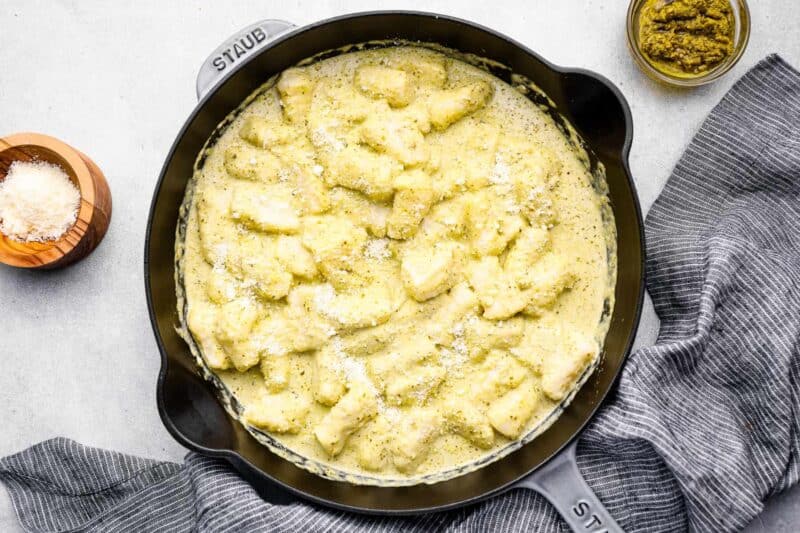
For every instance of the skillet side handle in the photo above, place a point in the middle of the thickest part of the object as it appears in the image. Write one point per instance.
(562, 484)
(236, 49)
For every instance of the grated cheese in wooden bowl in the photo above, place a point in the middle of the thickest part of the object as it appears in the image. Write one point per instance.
(38, 202)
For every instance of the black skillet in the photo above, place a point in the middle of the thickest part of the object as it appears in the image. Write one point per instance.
(189, 406)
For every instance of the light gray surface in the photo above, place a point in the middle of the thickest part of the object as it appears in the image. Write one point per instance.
(117, 80)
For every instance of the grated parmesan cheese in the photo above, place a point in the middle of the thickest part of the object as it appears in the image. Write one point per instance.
(324, 296)
(501, 173)
(272, 346)
(283, 176)
(377, 249)
(323, 137)
(38, 202)
(352, 369)
(355, 371)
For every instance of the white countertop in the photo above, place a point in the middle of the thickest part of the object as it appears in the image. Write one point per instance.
(116, 80)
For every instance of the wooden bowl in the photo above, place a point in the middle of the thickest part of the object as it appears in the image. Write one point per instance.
(94, 213)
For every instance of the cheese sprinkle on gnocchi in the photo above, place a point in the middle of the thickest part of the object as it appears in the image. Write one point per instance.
(396, 262)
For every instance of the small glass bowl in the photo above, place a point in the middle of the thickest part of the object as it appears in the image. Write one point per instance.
(741, 35)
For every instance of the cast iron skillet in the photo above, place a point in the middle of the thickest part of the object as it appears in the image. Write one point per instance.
(188, 404)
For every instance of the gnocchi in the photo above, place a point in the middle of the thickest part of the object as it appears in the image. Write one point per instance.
(395, 262)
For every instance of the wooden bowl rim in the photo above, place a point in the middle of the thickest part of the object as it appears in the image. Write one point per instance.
(47, 252)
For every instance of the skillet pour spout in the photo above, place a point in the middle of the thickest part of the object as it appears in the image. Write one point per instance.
(585, 104)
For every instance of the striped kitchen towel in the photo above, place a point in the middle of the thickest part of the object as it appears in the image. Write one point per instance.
(702, 429)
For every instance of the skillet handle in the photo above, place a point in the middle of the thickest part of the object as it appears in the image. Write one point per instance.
(560, 481)
(236, 49)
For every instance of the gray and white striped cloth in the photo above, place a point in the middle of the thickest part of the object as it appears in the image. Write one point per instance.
(703, 427)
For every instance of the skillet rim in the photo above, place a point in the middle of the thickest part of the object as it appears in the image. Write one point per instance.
(239, 461)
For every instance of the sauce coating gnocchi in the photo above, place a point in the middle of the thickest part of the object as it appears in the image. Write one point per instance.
(396, 262)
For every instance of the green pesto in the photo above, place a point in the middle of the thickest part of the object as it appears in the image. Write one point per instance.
(686, 37)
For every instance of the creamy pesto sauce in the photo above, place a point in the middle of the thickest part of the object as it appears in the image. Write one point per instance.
(579, 242)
